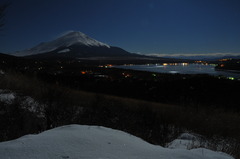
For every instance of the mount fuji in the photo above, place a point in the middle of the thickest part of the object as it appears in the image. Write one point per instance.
(75, 45)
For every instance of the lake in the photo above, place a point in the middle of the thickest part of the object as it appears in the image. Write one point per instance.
(182, 68)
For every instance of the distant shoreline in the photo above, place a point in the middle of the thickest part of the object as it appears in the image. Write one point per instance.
(227, 70)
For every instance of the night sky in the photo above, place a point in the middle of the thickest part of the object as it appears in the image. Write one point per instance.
(145, 26)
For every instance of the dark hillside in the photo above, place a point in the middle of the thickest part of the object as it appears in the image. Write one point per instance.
(156, 107)
(229, 65)
(154, 122)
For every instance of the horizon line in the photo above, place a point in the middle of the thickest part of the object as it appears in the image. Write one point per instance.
(192, 54)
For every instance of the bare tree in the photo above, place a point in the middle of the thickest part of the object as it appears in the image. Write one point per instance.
(3, 8)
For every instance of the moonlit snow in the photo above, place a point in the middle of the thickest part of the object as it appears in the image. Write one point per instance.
(185, 141)
(94, 142)
(72, 38)
(6, 96)
(64, 51)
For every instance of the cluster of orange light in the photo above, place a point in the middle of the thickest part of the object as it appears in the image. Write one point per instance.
(225, 59)
(172, 64)
(106, 66)
(199, 61)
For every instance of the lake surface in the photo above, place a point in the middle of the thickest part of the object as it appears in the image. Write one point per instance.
(181, 68)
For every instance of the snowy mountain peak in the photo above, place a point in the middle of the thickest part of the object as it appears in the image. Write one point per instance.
(65, 41)
(76, 37)
(74, 34)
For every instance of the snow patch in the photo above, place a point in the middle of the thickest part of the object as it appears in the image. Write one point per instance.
(28, 103)
(1, 72)
(76, 141)
(64, 51)
(187, 136)
(187, 141)
(7, 97)
(33, 106)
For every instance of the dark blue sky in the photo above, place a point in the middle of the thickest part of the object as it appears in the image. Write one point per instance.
(146, 26)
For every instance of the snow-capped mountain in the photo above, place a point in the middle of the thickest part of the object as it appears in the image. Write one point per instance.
(74, 45)
(65, 41)
(77, 38)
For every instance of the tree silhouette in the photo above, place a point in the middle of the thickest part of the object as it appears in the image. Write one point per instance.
(3, 8)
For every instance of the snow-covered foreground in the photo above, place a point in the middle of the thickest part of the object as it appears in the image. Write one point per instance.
(94, 142)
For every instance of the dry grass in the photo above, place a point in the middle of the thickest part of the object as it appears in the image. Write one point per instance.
(149, 120)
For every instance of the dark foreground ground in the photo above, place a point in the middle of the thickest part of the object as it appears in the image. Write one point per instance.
(155, 107)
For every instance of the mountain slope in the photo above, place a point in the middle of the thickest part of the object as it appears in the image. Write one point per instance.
(74, 45)
(65, 41)
(90, 142)
(7, 57)
(9, 61)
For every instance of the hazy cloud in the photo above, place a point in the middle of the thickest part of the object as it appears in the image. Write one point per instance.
(202, 54)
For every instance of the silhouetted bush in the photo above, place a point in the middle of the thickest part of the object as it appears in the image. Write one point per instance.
(154, 122)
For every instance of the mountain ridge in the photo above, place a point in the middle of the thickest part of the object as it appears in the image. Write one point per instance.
(76, 45)
(66, 40)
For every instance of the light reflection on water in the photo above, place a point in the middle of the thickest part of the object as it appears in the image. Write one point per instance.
(173, 72)
(182, 69)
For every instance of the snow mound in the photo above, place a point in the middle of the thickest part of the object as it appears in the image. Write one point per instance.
(187, 136)
(94, 142)
(186, 141)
